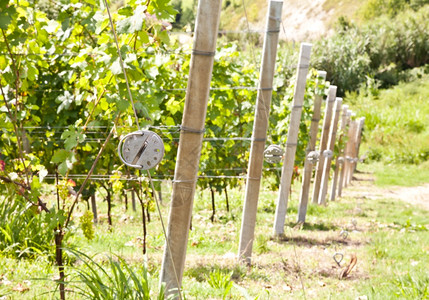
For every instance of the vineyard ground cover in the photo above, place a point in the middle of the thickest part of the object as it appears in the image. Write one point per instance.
(396, 126)
(388, 236)
(209, 243)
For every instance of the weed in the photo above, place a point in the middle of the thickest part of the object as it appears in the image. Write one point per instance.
(220, 280)
(411, 287)
(261, 245)
(116, 280)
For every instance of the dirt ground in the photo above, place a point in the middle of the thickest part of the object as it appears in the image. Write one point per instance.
(363, 187)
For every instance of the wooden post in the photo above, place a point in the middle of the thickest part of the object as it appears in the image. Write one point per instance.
(356, 146)
(311, 146)
(324, 141)
(344, 164)
(260, 126)
(133, 199)
(292, 139)
(328, 157)
(190, 143)
(94, 208)
(349, 152)
(350, 156)
(338, 160)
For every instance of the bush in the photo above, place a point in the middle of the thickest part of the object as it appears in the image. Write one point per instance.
(24, 232)
(381, 49)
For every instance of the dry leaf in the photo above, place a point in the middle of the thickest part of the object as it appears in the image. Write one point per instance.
(20, 288)
(346, 272)
(129, 244)
(287, 288)
(4, 281)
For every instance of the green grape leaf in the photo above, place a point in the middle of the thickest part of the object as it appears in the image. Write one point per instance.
(116, 67)
(72, 138)
(134, 23)
(60, 156)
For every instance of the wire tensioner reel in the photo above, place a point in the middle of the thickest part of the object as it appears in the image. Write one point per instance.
(313, 157)
(141, 149)
(328, 153)
(273, 154)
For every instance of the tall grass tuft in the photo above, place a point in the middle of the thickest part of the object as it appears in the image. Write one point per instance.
(23, 231)
(113, 280)
(222, 281)
(411, 287)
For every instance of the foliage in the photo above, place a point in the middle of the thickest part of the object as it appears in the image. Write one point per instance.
(396, 126)
(382, 49)
(222, 281)
(186, 13)
(24, 231)
(60, 75)
(376, 8)
(116, 280)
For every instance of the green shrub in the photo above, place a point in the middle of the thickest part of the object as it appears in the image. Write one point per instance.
(24, 232)
(376, 8)
(381, 49)
(395, 128)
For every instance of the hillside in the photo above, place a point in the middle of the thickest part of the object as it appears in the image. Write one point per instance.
(302, 20)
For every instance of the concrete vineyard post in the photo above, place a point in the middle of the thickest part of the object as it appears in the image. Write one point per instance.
(324, 141)
(349, 152)
(358, 141)
(328, 157)
(133, 199)
(311, 146)
(343, 151)
(292, 139)
(190, 143)
(94, 208)
(338, 161)
(259, 134)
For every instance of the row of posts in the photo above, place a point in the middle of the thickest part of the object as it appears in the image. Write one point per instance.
(197, 95)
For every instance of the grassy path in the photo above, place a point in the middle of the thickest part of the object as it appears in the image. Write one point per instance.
(382, 240)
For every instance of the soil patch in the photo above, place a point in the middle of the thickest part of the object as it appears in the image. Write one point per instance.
(362, 187)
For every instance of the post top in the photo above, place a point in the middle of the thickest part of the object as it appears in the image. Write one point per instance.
(332, 90)
(339, 99)
(322, 74)
(306, 45)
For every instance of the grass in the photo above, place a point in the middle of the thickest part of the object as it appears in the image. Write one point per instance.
(396, 126)
(399, 174)
(390, 239)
